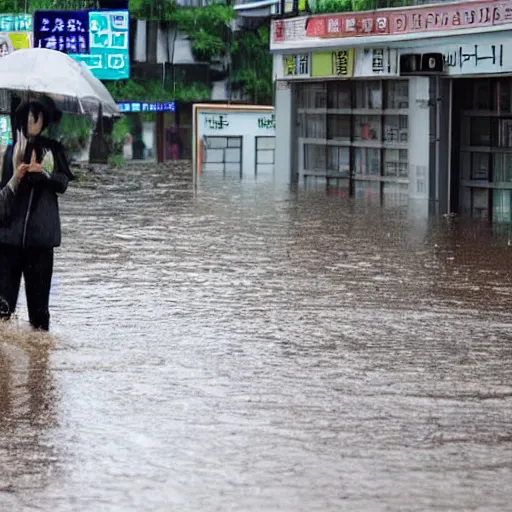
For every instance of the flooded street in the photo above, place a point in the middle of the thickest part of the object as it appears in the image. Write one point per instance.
(256, 349)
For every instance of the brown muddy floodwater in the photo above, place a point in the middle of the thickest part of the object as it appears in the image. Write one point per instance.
(255, 349)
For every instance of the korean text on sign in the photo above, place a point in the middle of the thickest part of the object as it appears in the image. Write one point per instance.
(64, 31)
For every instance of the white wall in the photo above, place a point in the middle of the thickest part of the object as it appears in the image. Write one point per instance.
(247, 122)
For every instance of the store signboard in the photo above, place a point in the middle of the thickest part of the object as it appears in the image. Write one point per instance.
(12, 41)
(65, 31)
(374, 62)
(344, 63)
(336, 63)
(487, 55)
(413, 22)
(126, 107)
(99, 39)
(15, 23)
(15, 33)
(296, 66)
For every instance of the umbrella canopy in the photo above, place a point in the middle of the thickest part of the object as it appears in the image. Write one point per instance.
(39, 70)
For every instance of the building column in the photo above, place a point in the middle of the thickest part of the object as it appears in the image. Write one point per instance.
(419, 144)
(284, 132)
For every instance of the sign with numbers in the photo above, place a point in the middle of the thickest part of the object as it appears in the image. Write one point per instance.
(99, 39)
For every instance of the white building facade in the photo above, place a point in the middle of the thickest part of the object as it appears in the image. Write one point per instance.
(414, 102)
(233, 140)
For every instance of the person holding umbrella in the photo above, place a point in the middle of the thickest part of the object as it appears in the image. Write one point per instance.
(34, 170)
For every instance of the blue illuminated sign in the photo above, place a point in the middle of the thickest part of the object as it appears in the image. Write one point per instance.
(65, 31)
(144, 106)
(99, 39)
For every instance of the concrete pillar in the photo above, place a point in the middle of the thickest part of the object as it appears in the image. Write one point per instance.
(419, 144)
(284, 132)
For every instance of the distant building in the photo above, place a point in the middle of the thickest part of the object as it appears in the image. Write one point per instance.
(412, 103)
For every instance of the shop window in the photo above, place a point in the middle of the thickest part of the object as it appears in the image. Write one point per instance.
(397, 94)
(367, 128)
(503, 96)
(480, 166)
(480, 203)
(223, 154)
(339, 95)
(302, 124)
(367, 162)
(504, 132)
(480, 131)
(502, 167)
(315, 157)
(396, 129)
(501, 206)
(482, 94)
(265, 154)
(315, 126)
(311, 96)
(338, 127)
(396, 194)
(368, 94)
(338, 159)
(396, 163)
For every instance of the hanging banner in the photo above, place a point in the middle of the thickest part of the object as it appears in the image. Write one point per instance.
(338, 63)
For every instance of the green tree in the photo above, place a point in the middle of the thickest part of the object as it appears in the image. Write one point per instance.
(252, 63)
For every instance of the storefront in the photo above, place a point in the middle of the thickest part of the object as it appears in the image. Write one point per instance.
(236, 141)
(413, 105)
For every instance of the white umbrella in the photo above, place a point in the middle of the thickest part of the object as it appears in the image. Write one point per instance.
(39, 70)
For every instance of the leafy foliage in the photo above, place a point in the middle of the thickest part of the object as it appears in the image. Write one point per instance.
(73, 132)
(161, 10)
(209, 29)
(329, 6)
(152, 90)
(252, 63)
(18, 6)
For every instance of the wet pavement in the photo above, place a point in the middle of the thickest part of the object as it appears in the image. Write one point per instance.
(256, 349)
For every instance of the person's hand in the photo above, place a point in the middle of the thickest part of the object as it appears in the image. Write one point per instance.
(19, 149)
(34, 166)
(21, 170)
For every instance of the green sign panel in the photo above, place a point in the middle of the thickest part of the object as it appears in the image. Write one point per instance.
(15, 23)
(108, 57)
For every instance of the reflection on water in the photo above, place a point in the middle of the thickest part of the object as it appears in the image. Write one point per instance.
(251, 348)
(27, 413)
